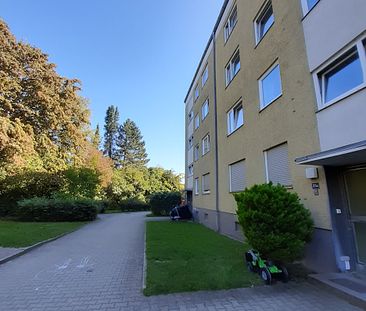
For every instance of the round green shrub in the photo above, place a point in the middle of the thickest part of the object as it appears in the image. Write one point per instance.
(274, 222)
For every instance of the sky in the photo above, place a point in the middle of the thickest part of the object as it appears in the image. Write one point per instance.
(137, 55)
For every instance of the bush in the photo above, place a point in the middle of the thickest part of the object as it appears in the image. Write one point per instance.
(133, 205)
(162, 202)
(43, 209)
(274, 222)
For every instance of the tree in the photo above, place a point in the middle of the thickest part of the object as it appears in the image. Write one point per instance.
(38, 101)
(130, 145)
(274, 222)
(96, 138)
(110, 131)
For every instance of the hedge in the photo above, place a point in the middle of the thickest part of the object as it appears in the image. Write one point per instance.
(161, 203)
(43, 209)
(133, 205)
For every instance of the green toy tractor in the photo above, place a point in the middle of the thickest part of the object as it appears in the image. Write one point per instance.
(267, 270)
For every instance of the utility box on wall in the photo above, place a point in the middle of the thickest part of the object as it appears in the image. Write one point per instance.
(311, 173)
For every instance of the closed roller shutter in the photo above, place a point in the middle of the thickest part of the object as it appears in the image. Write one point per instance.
(278, 170)
(237, 176)
(206, 183)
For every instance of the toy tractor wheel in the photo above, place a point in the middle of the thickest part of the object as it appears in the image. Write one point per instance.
(249, 262)
(265, 275)
(284, 274)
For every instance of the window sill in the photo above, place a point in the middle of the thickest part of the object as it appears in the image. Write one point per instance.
(228, 135)
(270, 103)
(205, 153)
(206, 193)
(342, 97)
(227, 85)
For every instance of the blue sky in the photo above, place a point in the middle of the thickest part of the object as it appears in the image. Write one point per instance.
(138, 55)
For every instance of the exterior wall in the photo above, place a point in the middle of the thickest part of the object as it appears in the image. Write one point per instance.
(188, 151)
(330, 26)
(289, 119)
(344, 122)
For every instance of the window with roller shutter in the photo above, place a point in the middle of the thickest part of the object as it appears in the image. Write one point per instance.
(237, 176)
(277, 165)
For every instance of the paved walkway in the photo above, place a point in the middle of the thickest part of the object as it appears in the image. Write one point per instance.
(100, 268)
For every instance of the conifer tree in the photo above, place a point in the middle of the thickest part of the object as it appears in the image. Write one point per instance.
(130, 145)
(110, 131)
(96, 138)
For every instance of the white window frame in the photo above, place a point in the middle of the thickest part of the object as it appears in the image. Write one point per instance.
(207, 140)
(204, 77)
(260, 82)
(228, 28)
(196, 186)
(305, 6)
(196, 152)
(230, 179)
(230, 128)
(190, 115)
(336, 60)
(230, 74)
(196, 93)
(197, 121)
(203, 115)
(259, 18)
(202, 186)
(190, 170)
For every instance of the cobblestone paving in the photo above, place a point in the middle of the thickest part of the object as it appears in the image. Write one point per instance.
(100, 268)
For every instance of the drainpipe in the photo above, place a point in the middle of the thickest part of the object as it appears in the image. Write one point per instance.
(215, 137)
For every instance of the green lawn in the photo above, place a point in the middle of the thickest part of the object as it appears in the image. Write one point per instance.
(22, 234)
(189, 257)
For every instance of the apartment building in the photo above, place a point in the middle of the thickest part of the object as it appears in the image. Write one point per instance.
(256, 112)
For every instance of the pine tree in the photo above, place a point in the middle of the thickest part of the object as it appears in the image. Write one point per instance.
(130, 145)
(96, 138)
(110, 131)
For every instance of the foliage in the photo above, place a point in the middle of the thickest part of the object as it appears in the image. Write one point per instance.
(161, 180)
(189, 257)
(23, 234)
(274, 221)
(96, 140)
(161, 203)
(57, 209)
(130, 145)
(110, 131)
(27, 184)
(43, 119)
(81, 182)
(133, 205)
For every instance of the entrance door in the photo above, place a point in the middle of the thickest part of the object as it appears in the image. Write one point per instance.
(356, 190)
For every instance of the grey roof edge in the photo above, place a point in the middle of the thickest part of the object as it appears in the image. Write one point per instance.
(360, 144)
(207, 46)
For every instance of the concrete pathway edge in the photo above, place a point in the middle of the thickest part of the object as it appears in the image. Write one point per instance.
(26, 250)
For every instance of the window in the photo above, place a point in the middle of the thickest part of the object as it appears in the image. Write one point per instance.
(196, 186)
(196, 153)
(307, 5)
(277, 165)
(230, 24)
(235, 118)
(342, 76)
(205, 144)
(270, 87)
(190, 142)
(190, 170)
(197, 122)
(190, 116)
(206, 183)
(237, 177)
(205, 76)
(264, 22)
(232, 68)
(205, 109)
(196, 93)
